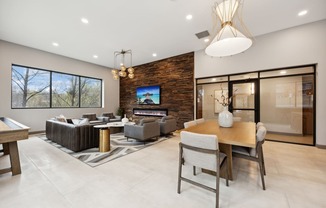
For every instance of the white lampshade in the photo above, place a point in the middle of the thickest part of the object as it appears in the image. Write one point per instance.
(227, 9)
(229, 41)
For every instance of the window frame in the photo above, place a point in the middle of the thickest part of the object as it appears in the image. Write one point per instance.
(51, 87)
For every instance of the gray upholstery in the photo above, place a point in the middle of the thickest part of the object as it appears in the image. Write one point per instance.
(74, 137)
(147, 129)
(168, 124)
(93, 119)
(201, 150)
(109, 117)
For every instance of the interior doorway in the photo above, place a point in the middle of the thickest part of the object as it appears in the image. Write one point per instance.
(245, 97)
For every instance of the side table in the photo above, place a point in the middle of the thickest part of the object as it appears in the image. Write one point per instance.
(104, 132)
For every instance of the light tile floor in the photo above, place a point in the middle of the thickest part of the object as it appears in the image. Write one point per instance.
(296, 177)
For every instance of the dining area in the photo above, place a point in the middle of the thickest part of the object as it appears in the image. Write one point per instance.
(210, 149)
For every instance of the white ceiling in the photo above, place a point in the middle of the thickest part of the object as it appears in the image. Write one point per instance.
(144, 26)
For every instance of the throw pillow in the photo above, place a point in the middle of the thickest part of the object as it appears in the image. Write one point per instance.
(70, 121)
(83, 122)
(76, 121)
(61, 118)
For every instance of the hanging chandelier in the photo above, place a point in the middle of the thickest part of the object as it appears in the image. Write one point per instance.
(229, 40)
(121, 67)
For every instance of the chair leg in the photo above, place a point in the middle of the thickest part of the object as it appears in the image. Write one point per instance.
(260, 161)
(217, 189)
(227, 171)
(263, 160)
(180, 169)
(194, 170)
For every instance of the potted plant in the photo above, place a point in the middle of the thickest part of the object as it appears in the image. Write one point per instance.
(120, 112)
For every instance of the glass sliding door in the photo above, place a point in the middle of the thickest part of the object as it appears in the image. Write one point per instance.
(286, 108)
(283, 99)
(244, 100)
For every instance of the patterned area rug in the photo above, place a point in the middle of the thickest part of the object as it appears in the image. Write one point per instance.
(119, 147)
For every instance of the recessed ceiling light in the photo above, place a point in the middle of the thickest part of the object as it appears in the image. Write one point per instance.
(302, 13)
(206, 40)
(214, 80)
(95, 56)
(154, 54)
(84, 20)
(55, 44)
(189, 17)
(283, 72)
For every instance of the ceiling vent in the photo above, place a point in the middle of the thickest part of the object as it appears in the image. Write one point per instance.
(202, 34)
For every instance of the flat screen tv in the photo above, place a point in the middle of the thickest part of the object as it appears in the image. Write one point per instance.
(149, 95)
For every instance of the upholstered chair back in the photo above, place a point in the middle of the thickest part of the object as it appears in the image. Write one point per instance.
(189, 124)
(200, 120)
(204, 141)
(90, 116)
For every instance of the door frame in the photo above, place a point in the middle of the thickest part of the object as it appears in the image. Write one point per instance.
(257, 96)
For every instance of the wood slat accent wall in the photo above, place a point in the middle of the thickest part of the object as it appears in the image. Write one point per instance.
(175, 75)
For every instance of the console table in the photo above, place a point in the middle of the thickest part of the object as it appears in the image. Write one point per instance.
(10, 132)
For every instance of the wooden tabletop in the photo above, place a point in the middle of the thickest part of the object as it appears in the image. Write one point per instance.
(241, 133)
(11, 130)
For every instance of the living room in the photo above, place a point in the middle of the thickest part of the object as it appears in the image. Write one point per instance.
(296, 46)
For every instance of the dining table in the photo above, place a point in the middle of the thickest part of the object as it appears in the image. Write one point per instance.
(240, 134)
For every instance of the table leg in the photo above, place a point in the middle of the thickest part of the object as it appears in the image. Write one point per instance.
(5, 147)
(227, 149)
(104, 140)
(14, 158)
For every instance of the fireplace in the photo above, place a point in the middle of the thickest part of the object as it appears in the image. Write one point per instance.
(150, 112)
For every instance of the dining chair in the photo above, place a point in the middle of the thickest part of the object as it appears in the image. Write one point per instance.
(201, 150)
(189, 123)
(200, 120)
(259, 124)
(254, 154)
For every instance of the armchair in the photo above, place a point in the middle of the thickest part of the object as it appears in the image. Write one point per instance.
(147, 129)
(109, 117)
(93, 119)
(168, 124)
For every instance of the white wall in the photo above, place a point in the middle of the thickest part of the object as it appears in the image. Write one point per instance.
(35, 118)
(301, 45)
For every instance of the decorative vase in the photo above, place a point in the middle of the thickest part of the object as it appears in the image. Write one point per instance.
(125, 119)
(225, 118)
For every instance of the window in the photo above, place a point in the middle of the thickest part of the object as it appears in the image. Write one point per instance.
(30, 88)
(65, 90)
(90, 92)
(37, 88)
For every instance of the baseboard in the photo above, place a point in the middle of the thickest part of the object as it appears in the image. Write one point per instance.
(35, 132)
(321, 146)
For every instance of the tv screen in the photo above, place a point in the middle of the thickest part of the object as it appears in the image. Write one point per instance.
(149, 95)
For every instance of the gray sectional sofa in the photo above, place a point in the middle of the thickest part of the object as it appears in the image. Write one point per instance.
(76, 134)
(76, 137)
